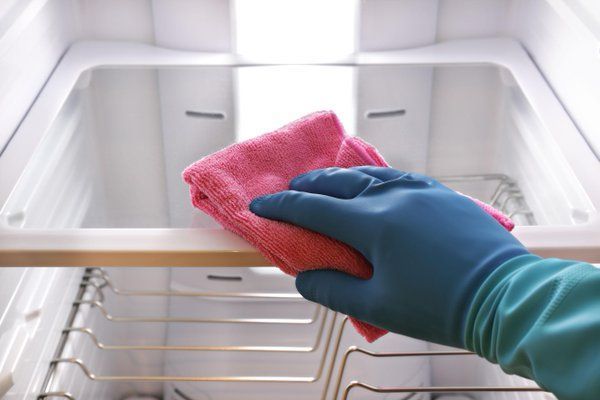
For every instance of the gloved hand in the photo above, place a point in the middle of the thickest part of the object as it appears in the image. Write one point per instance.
(430, 247)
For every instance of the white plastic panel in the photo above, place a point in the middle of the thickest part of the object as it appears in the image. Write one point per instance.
(33, 36)
(567, 52)
(31, 321)
(393, 112)
(196, 113)
(192, 25)
(114, 20)
(392, 25)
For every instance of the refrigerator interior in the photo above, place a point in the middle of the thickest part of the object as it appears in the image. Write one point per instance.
(112, 159)
(113, 156)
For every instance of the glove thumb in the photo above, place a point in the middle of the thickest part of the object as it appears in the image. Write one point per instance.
(335, 290)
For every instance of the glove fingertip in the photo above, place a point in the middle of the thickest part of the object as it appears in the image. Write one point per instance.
(256, 205)
(304, 286)
(297, 182)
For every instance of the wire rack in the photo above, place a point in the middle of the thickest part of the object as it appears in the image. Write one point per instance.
(506, 195)
(326, 342)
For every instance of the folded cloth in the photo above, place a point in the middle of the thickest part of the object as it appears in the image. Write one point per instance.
(224, 183)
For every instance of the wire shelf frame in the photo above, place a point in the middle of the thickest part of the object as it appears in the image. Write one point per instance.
(331, 345)
(507, 196)
(99, 273)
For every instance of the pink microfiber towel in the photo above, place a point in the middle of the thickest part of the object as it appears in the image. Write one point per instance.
(224, 183)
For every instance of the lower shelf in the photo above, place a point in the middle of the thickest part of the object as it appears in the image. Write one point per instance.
(333, 351)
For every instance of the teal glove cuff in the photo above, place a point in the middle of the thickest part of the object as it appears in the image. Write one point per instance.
(481, 311)
(540, 318)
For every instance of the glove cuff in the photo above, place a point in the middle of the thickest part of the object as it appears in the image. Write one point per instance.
(479, 307)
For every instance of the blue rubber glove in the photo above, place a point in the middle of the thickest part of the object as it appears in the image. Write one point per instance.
(431, 248)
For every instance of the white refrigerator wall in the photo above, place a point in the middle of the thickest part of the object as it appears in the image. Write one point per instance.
(567, 54)
(34, 34)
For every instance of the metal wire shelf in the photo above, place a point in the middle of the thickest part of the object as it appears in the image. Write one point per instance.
(104, 277)
(437, 389)
(116, 318)
(291, 349)
(331, 344)
(79, 301)
(507, 196)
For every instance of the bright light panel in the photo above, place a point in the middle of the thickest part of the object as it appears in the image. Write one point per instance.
(270, 97)
(295, 28)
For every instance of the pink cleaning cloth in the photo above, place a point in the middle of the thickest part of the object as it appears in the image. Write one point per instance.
(224, 183)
